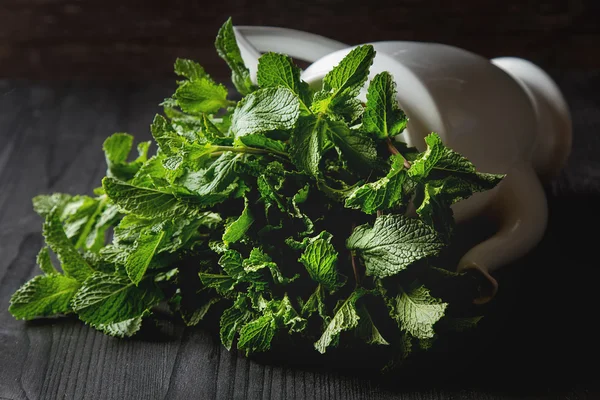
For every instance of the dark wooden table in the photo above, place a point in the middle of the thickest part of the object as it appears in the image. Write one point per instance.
(537, 341)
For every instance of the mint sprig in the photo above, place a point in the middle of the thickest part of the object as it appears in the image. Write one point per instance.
(287, 212)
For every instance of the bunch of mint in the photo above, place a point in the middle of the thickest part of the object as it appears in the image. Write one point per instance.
(290, 212)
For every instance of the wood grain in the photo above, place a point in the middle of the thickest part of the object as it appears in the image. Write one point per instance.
(535, 343)
(131, 39)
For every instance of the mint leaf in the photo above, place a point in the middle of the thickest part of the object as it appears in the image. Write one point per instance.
(44, 203)
(189, 69)
(223, 284)
(357, 149)
(382, 115)
(439, 162)
(70, 259)
(193, 318)
(393, 243)
(232, 321)
(116, 150)
(316, 303)
(384, 193)
(287, 316)
(258, 260)
(345, 318)
(279, 70)
(237, 229)
(143, 252)
(122, 329)
(366, 329)
(256, 335)
(262, 142)
(105, 299)
(320, 259)
(45, 263)
(343, 83)
(435, 209)
(43, 296)
(228, 50)
(151, 203)
(265, 110)
(416, 311)
(307, 144)
(217, 182)
(201, 95)
(422, 166)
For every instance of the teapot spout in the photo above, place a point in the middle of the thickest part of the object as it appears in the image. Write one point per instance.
(520, 207)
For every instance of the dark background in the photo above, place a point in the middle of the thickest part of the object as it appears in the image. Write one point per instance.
(128, 39)
(73, 72)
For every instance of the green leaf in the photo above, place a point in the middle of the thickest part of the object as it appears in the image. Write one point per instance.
(286, 315)
(258, 260)
(217, 182)
(45, 263)
(223, 284)
(256, 335)
(228, 50)
(344, 81)
(307, 144)
(439, 162)
(43, 296)
(358, 150)
(384, 193)
(43, 204)
(262, 142)
(232, 321)
(265, 110)
(116, 150)
(152, 203)
(210, 131)
(383, 117)
(108, 217)
(144, 250)
(393, 243)
(198, 314)
(416, 311)
(238, 228)
(366, 329)
(189, 69)
(345, 318)
(71, 261)
(435, 210)
(122, 329)
(320, 259)
(83, 226)
(316, 303)
(201, 95)
(180, 150)
(279, 70)
(105, 299)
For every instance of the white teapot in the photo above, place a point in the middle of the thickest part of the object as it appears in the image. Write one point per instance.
(506, 115)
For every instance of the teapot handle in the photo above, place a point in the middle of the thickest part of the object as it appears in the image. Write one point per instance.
(305, 46)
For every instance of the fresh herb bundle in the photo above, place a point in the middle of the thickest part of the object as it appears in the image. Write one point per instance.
(294, 209)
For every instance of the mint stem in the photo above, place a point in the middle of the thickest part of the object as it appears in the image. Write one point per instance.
(395, 151)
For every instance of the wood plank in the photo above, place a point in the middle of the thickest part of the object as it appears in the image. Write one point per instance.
(533, 345)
